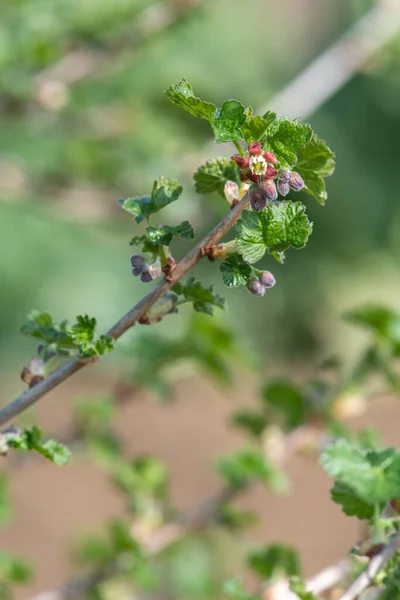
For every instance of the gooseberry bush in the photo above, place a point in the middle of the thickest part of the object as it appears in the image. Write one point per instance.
(273, 159)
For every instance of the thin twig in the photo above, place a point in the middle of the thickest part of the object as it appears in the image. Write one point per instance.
(34, 394)
(375, 565)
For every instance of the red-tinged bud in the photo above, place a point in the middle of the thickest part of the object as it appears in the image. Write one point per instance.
(283, 187)
(270, 158)
(256, 288)
(296, 182)
(254, 148)
(258, 199)
(271, 172)
(254, 178)
(284, 176)
(241, 161)
(267, 279)
(269, 188)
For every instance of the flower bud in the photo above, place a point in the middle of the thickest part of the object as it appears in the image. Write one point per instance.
(271, 158)
(271, 172)
(231, 191)
(267, 279)
(269, 188)
(138, 264)
(258, 199)
(254, 148)
(284, 175)
(256, 288)
(145, 275)
(155, 269)
(241, 161)
(283, 187)
(296, 182)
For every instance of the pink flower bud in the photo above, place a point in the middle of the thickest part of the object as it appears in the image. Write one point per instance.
(271, 158)
(254, 178)
(241, 161)
(254, 148)
(258, 199)
(283, 187)
(269, 188)
(231, 191)
(256, 288)
(296, 182)
(271, 172)
(267, 279)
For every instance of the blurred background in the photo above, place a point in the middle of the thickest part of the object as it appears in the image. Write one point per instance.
(83, 122)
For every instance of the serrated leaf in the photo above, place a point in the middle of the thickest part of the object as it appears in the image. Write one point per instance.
(372, 475)
(274, 562)
(286, 138)
(228, 121)
(164, 192)
(235, 271)
(314, 162)
(203, 298)
(31, 439)
(254, 129)
(352, 506)
(212, 176)
(164, 234)
(274, 229)
(182, 95)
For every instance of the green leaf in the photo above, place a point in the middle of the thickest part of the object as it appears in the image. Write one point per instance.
(285, 402)
(373, 476)
(40, 325)
(235, 519)
(235, 271)
(212, 176)
(233, 588)
(297, 587)
(240, 467)
(351, 504)
(182, 95)
(96, 414)
(163, 193)
(254, 129)
(275, 228)
(31, 439)
(228, 121)
(142, 475)
(286, 138)
(82, 333)
(204, 300)
(14, 570)
(252, 422)
(274, 562)
(5, 500)
(383, 321)
(314, 162)
(164, 234)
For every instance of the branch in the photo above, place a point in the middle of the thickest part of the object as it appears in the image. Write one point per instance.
(375, 565)
(33, 394)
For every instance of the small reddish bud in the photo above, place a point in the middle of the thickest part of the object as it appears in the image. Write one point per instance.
(267, 279)
(256, 288)
(283, 187)
(271, 172)
(254, 148)
(241, 161)
(269, 188)
(258, 199)
(296, 182)
(271, 158)
(254, 178)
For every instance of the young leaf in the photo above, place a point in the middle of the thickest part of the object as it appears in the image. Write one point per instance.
(286, 138)
(314, 162)
(235, 271)
(164, 234)
(163, 193)
(40, 325)
(31, 439)
(273, 229)
(182, 95)
(373, 476)
(274, 562)
(212, 176)
(228, 121)
(254, 129)
(351, 504)
(203, 298)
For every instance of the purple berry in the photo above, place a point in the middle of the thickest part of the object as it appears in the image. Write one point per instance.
(256, 288)
(258, 199)
(267, 279)
(296, 182)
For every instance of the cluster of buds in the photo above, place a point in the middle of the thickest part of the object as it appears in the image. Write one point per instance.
(259, 168)
(146, 272)
(262, 281)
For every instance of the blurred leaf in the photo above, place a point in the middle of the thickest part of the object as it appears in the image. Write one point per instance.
(273, 229)
(314, 162)
(212, 176)
(286, 402)
(163, 193)
(252, 422)
(5, 499)
(14, 570)
(286, 138)
(235, 271)
(228, 121)
(95, 414)
(182, 95)
(234, 589)
(298, 587)
(243, 466)
(274, 562)
(382, 320)
(144, 475)
(236, 519)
